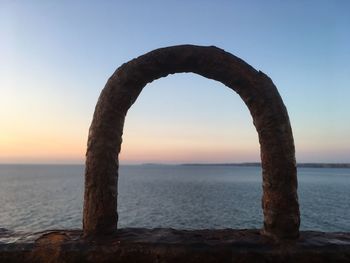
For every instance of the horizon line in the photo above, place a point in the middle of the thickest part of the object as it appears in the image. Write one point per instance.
(183, 163)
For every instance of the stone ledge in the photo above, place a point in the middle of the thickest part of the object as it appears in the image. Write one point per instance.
(170, 245)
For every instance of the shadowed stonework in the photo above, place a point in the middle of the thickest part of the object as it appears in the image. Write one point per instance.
(280, 200)
(176, 246)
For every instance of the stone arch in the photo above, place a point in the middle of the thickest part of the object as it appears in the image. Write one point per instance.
(270, 117)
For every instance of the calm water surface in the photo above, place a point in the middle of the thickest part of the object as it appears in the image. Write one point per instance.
(39, 197)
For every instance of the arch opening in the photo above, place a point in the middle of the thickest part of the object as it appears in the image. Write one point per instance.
(186, 118)
(270, 117)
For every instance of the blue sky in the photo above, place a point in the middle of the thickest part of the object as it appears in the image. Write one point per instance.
(55, 57)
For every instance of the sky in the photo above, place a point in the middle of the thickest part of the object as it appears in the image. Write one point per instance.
(56, 56)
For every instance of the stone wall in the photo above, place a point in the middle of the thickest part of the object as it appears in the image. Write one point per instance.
(169, 245)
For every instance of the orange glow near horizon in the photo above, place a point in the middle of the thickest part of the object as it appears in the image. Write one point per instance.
(52, 148)
(35, 143)
(43, 148)
(180, 149)
(33, 137)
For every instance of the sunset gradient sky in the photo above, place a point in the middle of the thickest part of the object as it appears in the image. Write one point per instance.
(55, 57)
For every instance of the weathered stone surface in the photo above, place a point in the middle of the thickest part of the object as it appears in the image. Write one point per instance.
(169, 245)
(280, 200)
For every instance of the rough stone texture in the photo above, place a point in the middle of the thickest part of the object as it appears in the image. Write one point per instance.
(280, 200)
(169, 245)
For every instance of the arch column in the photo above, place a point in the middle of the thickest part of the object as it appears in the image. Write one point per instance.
(270, 117)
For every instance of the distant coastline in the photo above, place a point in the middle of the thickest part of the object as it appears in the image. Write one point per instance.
(252, 164)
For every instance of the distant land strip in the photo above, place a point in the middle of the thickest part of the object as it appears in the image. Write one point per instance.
(307, 165)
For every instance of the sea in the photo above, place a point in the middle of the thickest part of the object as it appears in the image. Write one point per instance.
(35, 198)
